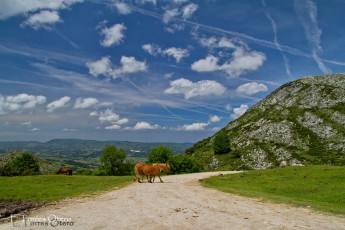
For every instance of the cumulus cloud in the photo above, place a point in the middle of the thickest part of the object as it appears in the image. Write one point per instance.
(61, 103)
(131, 65)
(199, 126)
(214, 119)
(251, 88)
(113, 127)
(9, 8)
(188, 10)
(113, 36)
(122, 8)
(177, 53)
(83, 103)
(105, 67)
(19, 102)
(192, 89)
(170, 14)
(243, 60)
(43, 19)
(109, 116)
(239, 111)
(27, 123)
(100, 67)
(144, 125)
(185, 12)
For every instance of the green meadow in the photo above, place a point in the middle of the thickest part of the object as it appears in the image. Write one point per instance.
(320, 187)
(57, 187)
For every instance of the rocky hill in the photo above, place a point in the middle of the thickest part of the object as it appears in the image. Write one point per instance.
(301, 122)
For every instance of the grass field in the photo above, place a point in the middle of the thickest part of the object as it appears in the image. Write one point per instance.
(56, 187)
(320, 187)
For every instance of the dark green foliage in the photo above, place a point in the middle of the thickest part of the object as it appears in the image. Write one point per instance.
(160, 154)
(26, 164)
(221, 144)
(182, 163)
(86, 172)
(8, 170)
(113, 162)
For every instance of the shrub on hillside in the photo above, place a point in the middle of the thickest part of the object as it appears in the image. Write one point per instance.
(160, 154)
(221, 144)
(182, 163)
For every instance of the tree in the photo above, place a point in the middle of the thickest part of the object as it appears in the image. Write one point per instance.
(160, 154)
(113, 162)
(221, 144)
(182, 163)
(26, 164)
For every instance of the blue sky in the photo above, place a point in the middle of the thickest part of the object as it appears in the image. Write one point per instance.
(151, 70)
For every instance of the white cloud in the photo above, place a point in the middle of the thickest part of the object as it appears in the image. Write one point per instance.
(251, 88)
(214, 119)
(43, 19)
(83, 103)
(122, 8)
(239, 111)
(209, 64)
(35, 129)
(174, 52)
(145, 1)
(113, 127)
(108, 116)
(199, 126)
(105, 67)
(188, 10)
(9, 8)
(27, 123)
(111, 117)
(131, 65)
(228, 107)
(243, 59)
(307, 14)
(152, 49)
(94, 114)
(192, 89)
(170, 14)
(19, 102)
(144, 125)
(113, 36)
(61, 103)
(100, 67)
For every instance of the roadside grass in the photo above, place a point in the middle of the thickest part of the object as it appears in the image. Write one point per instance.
(56, 187)
(320, 187)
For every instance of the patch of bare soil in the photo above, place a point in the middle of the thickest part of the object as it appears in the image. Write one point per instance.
(18, 207)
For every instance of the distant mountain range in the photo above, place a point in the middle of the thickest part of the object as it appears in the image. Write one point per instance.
(85, 153)
(301, 122)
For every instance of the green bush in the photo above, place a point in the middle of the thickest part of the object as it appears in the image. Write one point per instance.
(160, 154)
(26, 164)
(182, 163)
(221, 144)
(113, 162)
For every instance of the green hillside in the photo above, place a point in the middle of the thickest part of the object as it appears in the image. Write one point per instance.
(301, 122)
(79, 154)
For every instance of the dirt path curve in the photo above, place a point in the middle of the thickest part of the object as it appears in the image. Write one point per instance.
(180, 203)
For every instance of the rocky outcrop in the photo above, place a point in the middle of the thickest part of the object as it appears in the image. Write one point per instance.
(301, 122)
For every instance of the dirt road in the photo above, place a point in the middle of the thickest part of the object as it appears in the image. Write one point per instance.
(179, 203)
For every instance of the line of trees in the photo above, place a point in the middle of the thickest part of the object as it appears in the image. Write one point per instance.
(112, 163)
